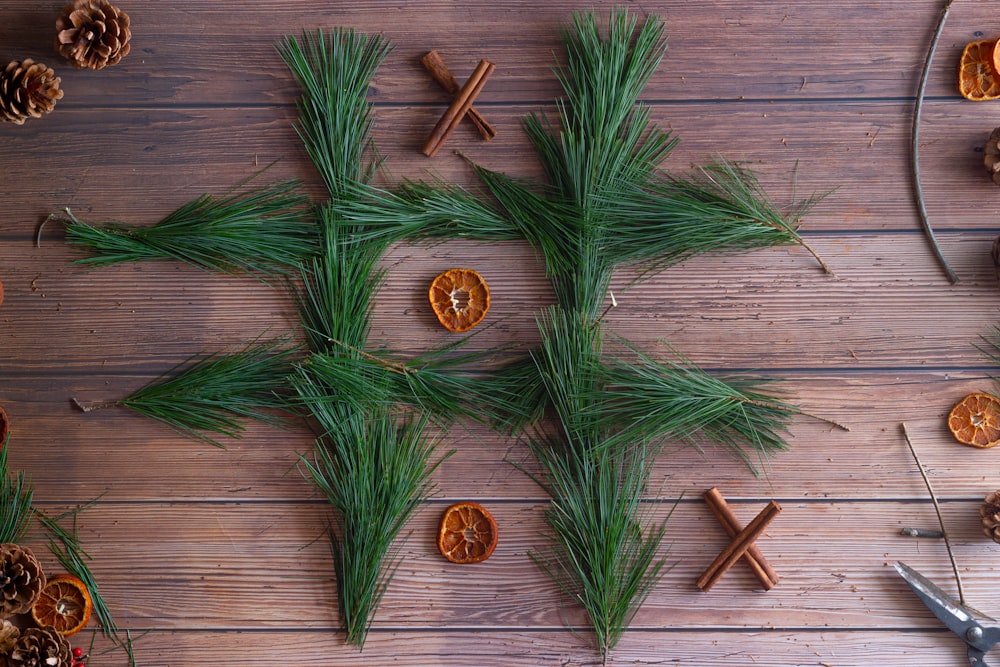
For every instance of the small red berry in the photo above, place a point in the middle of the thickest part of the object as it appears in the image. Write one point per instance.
(78, 652)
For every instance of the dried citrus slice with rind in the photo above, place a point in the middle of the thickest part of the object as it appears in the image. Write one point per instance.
(996, 57)
(460, 299)
(978, 77)
(65, 604)
(975, 420)
(467, 533)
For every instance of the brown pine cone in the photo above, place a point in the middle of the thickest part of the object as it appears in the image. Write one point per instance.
(27, 90)
(991, 155)
(93, 34)
(21, 579)
(8, 637)
(41, 647)
(989, 512)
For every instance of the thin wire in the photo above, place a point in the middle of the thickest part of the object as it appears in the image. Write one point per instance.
(915, 144)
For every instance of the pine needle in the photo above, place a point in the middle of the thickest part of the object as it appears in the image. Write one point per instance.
(335, 122)
(265, 231)
(215, 393)
(603, 558)
(67, 549)
(16, 493)
(374, 468)
(371, 459)
(437, 383)
(717, 207)
(339, 287)
(606, 203)
(646, 399)
(415, 210)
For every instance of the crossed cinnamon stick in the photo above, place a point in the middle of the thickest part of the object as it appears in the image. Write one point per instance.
(434, 64)
(742, 544)
(461, 105)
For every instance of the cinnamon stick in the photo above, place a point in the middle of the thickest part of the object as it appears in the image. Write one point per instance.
(459, 107)
(738, 546)
(435, 66)
(761, 569)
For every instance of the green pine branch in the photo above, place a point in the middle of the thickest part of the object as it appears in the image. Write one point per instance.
(264, 231)
(606, 204)
(374, 467)
(372, 460)
(214, 394)
(607, 548)
(338, 287)
(660, 400)
(334, 70)
(68, 550)
(16, 494)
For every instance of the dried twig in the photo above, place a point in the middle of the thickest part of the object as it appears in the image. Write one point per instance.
(915, 145)
(937, 508)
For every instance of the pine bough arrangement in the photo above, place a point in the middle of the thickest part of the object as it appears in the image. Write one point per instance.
(605, 204)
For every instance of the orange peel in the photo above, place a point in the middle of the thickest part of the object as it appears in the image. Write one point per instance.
(978, 77)
(460, 299)
(65, 604)
(467, 533)
(975, 420)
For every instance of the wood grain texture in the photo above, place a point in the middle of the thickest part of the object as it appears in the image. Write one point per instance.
(218, 557)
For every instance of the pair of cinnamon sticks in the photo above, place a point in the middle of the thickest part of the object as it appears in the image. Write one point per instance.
(742, 544)
(461, 106)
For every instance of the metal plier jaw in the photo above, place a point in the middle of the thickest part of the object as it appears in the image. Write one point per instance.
(979, 639)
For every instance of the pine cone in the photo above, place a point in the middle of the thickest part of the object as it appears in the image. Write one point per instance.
(991, 155)
(8, 637)
(27, 90)
(989, 512)
(4, 427)
(41, 647)
(93, 34)
(21, 579)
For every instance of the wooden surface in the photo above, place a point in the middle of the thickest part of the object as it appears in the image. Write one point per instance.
(216, 554)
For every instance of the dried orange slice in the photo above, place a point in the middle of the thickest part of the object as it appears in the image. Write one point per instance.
(460, 299)
(996, 56)
(467, 534)
(975, 420)
(977, 76)
(65, 604)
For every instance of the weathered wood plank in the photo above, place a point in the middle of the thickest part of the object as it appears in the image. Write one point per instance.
(888, 306)
(75, 457)
(492, 648)
(137, 165)
(220, 552)
(193, 53)
(200, 566)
